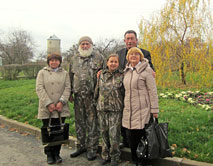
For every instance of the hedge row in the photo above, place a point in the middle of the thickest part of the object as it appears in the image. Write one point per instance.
(29, 70)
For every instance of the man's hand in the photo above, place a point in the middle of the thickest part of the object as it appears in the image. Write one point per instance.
(153, 74)
(51, 107)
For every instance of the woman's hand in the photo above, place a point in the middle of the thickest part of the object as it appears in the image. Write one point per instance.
(51, 107)
(155, 115)
(59, 106)
(99, 73)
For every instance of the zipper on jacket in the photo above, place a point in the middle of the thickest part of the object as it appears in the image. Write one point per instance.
(139, 102)
(130, 117)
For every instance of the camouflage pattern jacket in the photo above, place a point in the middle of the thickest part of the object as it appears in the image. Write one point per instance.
(109, 91)
(83, 73)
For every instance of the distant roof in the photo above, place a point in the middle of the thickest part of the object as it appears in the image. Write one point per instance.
(53, 37)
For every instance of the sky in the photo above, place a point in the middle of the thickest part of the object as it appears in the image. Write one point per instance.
(71, 19)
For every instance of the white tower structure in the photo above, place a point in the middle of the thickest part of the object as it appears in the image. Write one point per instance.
(53, 45)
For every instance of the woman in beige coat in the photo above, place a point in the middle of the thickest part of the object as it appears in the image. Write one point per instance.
(53, 90)
(140, 101)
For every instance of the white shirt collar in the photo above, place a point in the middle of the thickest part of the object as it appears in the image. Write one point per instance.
(135, 66)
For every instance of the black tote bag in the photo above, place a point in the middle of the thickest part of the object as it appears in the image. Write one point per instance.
(55, 134)
(152, 138)
(162, 133)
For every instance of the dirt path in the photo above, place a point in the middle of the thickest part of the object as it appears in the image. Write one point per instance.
(25, 150)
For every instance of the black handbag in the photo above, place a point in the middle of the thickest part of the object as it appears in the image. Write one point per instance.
(142, 149)
(55, 134)
(152, 139)
(162, 133)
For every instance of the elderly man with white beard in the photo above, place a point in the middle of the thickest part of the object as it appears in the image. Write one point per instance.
(83, 70)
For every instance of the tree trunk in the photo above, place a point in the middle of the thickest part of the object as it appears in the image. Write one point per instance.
(183, 75)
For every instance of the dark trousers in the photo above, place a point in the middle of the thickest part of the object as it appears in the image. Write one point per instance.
(124, 137)
(133, 137)
(52, 150)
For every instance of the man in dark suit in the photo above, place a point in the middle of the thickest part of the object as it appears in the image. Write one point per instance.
(131, 40)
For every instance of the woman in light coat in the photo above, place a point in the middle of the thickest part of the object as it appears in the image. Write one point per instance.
(140, 101)
(53, 90)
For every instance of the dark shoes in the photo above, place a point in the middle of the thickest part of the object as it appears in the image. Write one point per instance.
(50, 159)
(58, 159)
(78, 152)
(54, 159)
(91, 155)
(141, 164)
(114, 163)
(104, 162)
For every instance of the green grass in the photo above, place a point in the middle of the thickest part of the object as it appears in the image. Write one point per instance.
(19, 102)
(190, 127)
(194, 81)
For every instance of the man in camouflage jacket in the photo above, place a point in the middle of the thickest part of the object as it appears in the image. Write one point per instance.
(83, 74)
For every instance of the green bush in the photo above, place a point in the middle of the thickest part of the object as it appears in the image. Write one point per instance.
(10, 72)
(31, 70)
(28, 70)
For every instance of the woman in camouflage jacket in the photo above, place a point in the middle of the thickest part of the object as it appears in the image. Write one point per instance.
(109, 92)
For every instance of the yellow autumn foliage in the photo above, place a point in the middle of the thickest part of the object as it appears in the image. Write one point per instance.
(180, 40)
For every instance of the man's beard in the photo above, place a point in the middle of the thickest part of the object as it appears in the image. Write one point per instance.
(85, 53)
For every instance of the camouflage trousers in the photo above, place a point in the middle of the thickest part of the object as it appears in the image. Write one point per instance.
(110, 128)
(86, 122)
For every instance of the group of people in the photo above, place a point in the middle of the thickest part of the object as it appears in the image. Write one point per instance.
(112, 98)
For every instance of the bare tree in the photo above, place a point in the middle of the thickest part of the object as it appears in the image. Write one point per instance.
(108, 46)
(17, 48)
(42, 56)
(70, 53)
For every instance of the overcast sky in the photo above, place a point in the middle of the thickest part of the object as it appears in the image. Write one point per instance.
(71, 19)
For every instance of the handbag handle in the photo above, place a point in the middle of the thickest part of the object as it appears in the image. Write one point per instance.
(153, 119)
(59, 115)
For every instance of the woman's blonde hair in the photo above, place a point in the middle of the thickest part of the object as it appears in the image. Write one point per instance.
(134, 50)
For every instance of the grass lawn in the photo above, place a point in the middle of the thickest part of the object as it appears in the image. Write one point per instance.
(190, 127)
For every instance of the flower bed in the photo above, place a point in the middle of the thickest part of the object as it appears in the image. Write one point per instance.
(204, 100)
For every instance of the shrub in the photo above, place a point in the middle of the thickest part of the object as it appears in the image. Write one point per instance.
(10, 72)
(31, 70)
